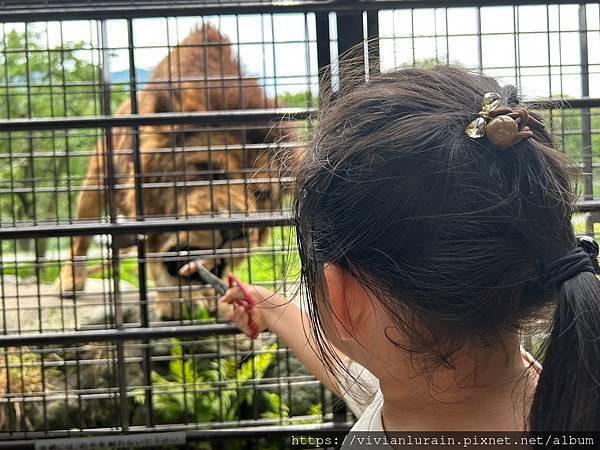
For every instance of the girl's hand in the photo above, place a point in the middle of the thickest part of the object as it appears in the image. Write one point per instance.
(258, 314)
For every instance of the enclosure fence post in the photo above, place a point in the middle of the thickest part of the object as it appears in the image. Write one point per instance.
(349, 34)
(586, 120)
(373, 41)
(323, 50)
(112, 211)
(139, 212)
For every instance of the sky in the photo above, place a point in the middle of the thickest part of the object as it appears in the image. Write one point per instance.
(543, 58)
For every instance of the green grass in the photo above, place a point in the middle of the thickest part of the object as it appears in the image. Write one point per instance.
(128, 272)
(281, 264)
(48, 272)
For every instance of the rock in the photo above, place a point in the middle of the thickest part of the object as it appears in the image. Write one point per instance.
(36, 308)
(86, 367)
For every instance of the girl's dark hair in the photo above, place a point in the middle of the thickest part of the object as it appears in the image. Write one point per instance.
(448, 232)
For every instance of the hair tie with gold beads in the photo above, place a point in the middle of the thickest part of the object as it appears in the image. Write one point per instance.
(502, 125)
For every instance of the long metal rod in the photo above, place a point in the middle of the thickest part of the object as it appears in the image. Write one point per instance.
(221, 118)
(325, 429)
(234, 221)
(120, 371)
(117, 335)
(141, 244)
(350, 34)
(168, 225)
(323, 50)
(203, 118)
(586, 118)
(373, 42)
(15, 11)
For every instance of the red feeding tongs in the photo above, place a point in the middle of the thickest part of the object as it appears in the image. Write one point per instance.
(247, 302)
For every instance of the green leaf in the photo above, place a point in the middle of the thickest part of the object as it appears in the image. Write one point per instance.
(190, 374)
(256, 367)
(316, 409)
(276, 408)
(176, 370)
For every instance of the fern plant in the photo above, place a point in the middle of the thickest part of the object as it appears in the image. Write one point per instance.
(215, 390)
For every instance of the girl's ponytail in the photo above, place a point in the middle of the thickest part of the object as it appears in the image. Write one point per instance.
(567, 397)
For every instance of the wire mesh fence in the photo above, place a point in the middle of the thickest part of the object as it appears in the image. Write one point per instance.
(137, 144)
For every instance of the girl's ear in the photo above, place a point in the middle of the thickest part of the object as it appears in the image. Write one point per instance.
(348, 300)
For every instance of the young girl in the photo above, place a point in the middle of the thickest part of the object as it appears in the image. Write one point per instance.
(433, 216)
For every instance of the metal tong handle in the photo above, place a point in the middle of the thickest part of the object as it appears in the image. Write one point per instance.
(210, 278)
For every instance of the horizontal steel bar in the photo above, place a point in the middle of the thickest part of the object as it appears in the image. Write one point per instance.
(150, 151)
(127, 334)
(588, 206)
(15, 10)
(211, 118)
(328, 429)
(170, 225)
(272, 430)
(205, 118)
(252, 179)
(567, 103)
(147, 226)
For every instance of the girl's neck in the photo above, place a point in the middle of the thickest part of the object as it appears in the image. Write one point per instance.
(486, 390)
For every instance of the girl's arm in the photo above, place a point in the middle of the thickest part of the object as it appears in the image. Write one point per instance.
(289, 323)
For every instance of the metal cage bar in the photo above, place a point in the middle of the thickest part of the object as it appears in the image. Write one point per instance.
(16, 11)
(128, 340)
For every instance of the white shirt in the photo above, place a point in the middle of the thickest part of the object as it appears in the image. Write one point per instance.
(364, 398)
(361, 389)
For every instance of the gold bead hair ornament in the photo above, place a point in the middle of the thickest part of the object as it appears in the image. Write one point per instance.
(502, 125)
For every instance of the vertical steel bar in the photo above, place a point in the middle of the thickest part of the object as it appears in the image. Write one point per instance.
(65, 134)
(179, 139)
(412, 37)
(275, 86)
(324, 61)
(447, 36)
(8, 135)
(34, 218)
(349, 33)
(139, 212)
(373, 41)
(516, 46)
(479, 42)
(8, 373)
(110, 199)
(107, 179)
(112, 210)
(323, 50)
(79, 417)
(586, 118)
(57, 169)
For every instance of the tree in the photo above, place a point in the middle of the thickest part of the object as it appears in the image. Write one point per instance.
(38, 169)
